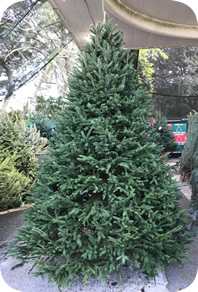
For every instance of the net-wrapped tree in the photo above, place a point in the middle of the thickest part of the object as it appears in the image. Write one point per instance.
(104, 196)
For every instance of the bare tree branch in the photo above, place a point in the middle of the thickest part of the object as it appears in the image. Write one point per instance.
(23, 49)
(9, 75)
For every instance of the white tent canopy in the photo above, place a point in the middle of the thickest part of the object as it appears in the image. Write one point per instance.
(145, 23)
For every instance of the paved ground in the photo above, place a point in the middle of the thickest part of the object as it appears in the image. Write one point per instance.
(179, 277)
(8, 226)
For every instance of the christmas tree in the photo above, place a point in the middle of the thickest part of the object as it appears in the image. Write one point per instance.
(104, 197)
(18, 164)
(13, 184)
(162, 135)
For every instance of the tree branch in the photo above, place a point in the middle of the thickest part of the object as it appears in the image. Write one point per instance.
(9, 75)
(23, 49)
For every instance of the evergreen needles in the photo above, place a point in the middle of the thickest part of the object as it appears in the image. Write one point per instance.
(104, 196)
(18, 164)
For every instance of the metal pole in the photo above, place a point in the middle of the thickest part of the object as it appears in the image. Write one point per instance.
(103, 9)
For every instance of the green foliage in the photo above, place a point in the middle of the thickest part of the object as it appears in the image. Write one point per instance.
(16, 116)
(146, 65)
(45, 130)
(48, 108)
(191, 145)
(18, 146)
(12, 138)
(163, 136)
(104, 196)
(12, 184)
(34, 138)
(194, 197)
(39, 37)
(176, 80)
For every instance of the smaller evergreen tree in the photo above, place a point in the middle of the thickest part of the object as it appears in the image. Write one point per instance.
(18, 164)
(48, 108)
(162, 135)
(13, 184)
(13, 141)
(33, 137)
(45, 130)
(194, 180)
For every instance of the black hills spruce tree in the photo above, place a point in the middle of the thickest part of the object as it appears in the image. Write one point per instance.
(104, 197)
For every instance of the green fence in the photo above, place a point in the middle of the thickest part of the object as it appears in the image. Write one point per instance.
(50, 123)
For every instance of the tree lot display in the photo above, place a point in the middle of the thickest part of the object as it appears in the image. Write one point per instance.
(104, 196)
(18, 164)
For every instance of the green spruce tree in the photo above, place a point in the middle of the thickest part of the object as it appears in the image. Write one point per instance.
(13, 184)
(104, 196)
(14, 143)
(18, 164)
(162, 135)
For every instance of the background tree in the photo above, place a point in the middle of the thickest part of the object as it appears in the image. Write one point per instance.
(34, 42)
(18, 164)
(45, 130)
(162, 135)
(173, 78)
(146, 66)
(48, 108)
(104, 197)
